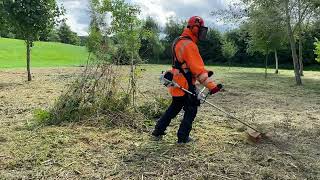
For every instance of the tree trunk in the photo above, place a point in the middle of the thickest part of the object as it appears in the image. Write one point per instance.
(28, 60)
(293, 45)
(300, 38)
(133, 83)
(266, 63)
(300, 56)
(277, 61)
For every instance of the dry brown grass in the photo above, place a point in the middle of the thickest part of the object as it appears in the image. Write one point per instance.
(221, 150)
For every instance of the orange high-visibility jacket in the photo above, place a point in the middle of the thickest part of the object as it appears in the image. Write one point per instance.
(187, 52)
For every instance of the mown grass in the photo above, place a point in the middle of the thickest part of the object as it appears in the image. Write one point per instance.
(44, 54)
(221, 150)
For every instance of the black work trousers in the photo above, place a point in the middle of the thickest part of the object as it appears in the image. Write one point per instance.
(190, 108)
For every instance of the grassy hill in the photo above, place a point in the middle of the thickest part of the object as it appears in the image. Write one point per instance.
(44, 54)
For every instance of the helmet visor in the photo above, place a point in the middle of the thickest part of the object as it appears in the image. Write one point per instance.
(203, 33)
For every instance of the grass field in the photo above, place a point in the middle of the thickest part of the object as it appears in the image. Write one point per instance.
(221, 150)
(44, 54)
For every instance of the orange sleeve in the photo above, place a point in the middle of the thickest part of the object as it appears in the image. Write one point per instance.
(193, 59)
(195, 63)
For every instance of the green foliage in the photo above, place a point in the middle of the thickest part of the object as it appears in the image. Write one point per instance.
(66, 35)
(269, 35)
(173, 29)
(125, 26)
(95, 38)
(309, 39)
(211, 49)
(240, 37)
(30, 17)
(119, 102)
(4, 28)
(41, 116)
(155, 109)
(50, 35)
(317, 50)
(151, 47)
(53, 36)
(229, 49)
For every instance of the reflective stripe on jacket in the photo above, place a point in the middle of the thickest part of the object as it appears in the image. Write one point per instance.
(187, 52)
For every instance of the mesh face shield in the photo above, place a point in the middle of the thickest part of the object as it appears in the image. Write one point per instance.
(203, 31)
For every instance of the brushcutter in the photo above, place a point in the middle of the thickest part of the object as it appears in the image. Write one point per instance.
(254, 134)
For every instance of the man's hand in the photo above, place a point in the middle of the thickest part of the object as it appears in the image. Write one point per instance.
(218, 88)
(210, 73)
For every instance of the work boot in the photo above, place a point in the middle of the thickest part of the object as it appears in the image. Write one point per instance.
(185, 141)
(157, 136)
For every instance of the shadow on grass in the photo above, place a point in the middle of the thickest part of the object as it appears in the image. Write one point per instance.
(7, 85)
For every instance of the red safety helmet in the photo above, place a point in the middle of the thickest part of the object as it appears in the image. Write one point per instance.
(195, 21)
(196, 25)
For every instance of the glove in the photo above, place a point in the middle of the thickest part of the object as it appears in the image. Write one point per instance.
(210, 73)
(216, 89)
(168, 75)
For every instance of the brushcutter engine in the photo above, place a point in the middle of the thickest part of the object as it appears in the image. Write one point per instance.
(166, 78)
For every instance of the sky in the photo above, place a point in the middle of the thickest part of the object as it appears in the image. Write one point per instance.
(77, 13)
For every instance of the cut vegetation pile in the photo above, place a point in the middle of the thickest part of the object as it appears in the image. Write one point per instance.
(95, 98)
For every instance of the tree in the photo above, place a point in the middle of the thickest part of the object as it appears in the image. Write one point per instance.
(66, 35)
(211, 49)
(317, 50)
(3, 21)
(30, 17)
(268, 36)
(229, 49)
(151, 47)
(172, 30)
(240, 38)
(296, 13)
(311, 33)
(125, 29)
(53, 36)
(95, 36)
(288, 14)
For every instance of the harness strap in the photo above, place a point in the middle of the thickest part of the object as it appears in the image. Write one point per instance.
(178, 65)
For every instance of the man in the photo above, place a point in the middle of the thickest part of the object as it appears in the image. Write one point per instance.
(187, 68)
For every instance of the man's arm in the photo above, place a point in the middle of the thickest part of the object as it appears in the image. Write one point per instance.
(195, 63)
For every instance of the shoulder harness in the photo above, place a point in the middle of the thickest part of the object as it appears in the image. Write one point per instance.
(178, 65)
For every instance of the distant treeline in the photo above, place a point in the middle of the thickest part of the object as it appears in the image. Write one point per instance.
(230, 47)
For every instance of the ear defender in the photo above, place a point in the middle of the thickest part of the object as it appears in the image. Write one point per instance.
(195, 30)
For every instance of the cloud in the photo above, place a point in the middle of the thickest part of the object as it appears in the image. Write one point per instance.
(78, 15)
(183, 9)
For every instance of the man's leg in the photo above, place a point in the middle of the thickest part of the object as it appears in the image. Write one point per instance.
(162, 124)
(186, 124)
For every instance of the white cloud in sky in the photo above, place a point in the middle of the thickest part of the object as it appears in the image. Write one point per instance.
(77, 13)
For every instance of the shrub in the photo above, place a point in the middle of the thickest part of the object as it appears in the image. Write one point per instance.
(153, 110)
